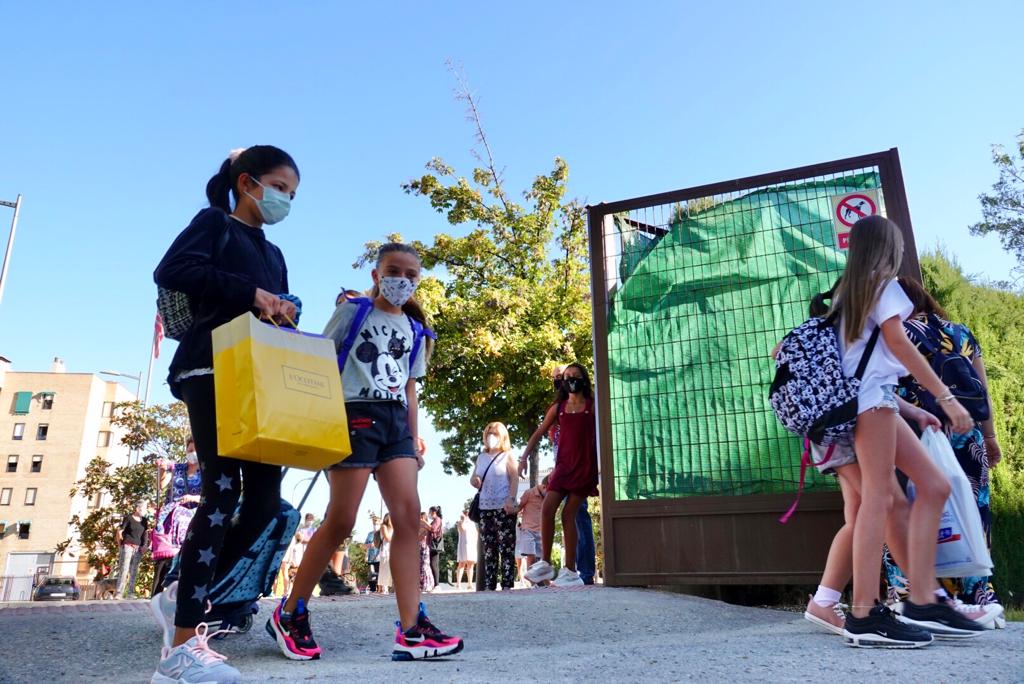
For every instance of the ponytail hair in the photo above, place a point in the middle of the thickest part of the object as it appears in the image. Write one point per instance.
(818, 306)
(411, 308)
(254, 161)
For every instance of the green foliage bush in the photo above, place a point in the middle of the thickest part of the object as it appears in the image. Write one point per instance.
(996, 317)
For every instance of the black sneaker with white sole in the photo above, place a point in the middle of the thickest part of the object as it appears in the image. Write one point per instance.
(941, 619)
(881, 629)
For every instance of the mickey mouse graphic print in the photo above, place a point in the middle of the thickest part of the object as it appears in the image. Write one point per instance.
(377, 367)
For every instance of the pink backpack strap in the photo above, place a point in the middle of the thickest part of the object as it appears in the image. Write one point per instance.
(805, 461)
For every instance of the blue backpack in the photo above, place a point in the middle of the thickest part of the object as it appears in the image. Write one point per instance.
(365, 305)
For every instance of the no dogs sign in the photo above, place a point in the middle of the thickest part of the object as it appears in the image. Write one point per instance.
(848, 209)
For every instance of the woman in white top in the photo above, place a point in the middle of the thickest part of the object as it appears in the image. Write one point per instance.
(386, 531)
(497, 476)
(467, 550)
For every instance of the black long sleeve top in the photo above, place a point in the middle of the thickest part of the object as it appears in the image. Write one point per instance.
(220, 289)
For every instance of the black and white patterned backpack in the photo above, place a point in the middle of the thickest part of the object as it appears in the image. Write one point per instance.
(811, 395)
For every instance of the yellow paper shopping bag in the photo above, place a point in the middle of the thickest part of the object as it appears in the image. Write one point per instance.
(279, 397)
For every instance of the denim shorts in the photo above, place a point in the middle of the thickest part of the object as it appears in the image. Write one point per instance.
(888, 400)
(379, 432)
(841, 455)
(527, 542)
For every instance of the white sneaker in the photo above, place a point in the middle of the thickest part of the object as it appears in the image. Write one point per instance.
(568, 578)
(163, 606)
(540, 571)
(194, 662)
(985, 615)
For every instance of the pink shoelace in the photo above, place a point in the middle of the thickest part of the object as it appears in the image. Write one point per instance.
(201, 648)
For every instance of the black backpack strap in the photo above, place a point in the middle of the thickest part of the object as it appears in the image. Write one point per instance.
(866, 355)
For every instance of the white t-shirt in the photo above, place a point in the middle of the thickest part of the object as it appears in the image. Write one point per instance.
(378, 365)
(883, 368)
(496, 487)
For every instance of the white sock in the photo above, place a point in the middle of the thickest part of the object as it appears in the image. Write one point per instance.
(826, 597)
(941, 593)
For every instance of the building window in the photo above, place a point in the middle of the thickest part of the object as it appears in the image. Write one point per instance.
(42, 430)
(103, 439)
(47, 401)
(30, 496)
(95, 500)
(37, 464)
(12, 463)
(108, 409)
(19, 431)
(23, 530)
(5, 496)
(22, 403)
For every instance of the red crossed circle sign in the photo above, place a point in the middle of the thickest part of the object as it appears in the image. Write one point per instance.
(855, 207)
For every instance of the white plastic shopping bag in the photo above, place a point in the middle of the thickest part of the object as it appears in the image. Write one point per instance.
(961, 549)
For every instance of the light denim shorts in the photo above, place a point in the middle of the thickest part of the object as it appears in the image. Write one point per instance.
(841, 455)
(888, 400)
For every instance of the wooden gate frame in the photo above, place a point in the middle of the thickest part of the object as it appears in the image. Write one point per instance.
(718, 540)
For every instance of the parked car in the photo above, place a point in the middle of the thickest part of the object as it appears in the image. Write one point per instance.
(57, 589)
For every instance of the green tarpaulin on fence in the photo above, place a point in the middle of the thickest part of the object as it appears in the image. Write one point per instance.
(690, 327)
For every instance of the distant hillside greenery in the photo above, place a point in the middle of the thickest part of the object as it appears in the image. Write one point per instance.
(996, 317)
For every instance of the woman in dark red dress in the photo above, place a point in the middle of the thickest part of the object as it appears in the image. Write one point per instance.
(575, 475)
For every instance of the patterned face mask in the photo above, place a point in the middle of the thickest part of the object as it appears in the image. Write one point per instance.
(397, 289)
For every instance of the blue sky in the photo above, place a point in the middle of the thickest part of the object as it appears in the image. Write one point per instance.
(115, 116)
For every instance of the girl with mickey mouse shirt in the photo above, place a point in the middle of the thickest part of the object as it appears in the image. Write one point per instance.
(383, 349)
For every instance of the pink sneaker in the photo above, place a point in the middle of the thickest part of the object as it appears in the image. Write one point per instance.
(423, 641)
(292, 633)
(831, 618)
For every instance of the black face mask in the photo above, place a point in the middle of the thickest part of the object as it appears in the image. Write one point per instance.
(558, 385)
(575, 385)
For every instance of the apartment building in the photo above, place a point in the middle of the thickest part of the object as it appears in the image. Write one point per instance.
(51, 425)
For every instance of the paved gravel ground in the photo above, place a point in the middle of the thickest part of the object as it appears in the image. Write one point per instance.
(590, 634)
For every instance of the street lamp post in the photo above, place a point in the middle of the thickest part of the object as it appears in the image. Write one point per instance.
(136, 378)
(16, 205)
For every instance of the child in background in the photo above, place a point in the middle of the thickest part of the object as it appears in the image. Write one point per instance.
(530, 504)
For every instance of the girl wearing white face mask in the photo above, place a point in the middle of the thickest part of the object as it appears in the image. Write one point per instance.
(497, 477)
(383, 348)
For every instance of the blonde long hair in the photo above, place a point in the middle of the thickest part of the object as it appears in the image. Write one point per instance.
(876, 252)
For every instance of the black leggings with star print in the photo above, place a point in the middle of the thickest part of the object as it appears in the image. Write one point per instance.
(213, 545)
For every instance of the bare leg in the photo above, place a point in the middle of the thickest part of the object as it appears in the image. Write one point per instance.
(347, 487)
(875, 444)
(840, 554)
(552, 500)
(397, 480)
(569, 510)
(931, 491)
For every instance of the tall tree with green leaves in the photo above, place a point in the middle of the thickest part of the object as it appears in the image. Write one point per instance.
(509, 297)
(1002, 210)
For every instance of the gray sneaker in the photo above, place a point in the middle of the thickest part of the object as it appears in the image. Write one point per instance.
(163, 606)
(194, 662)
